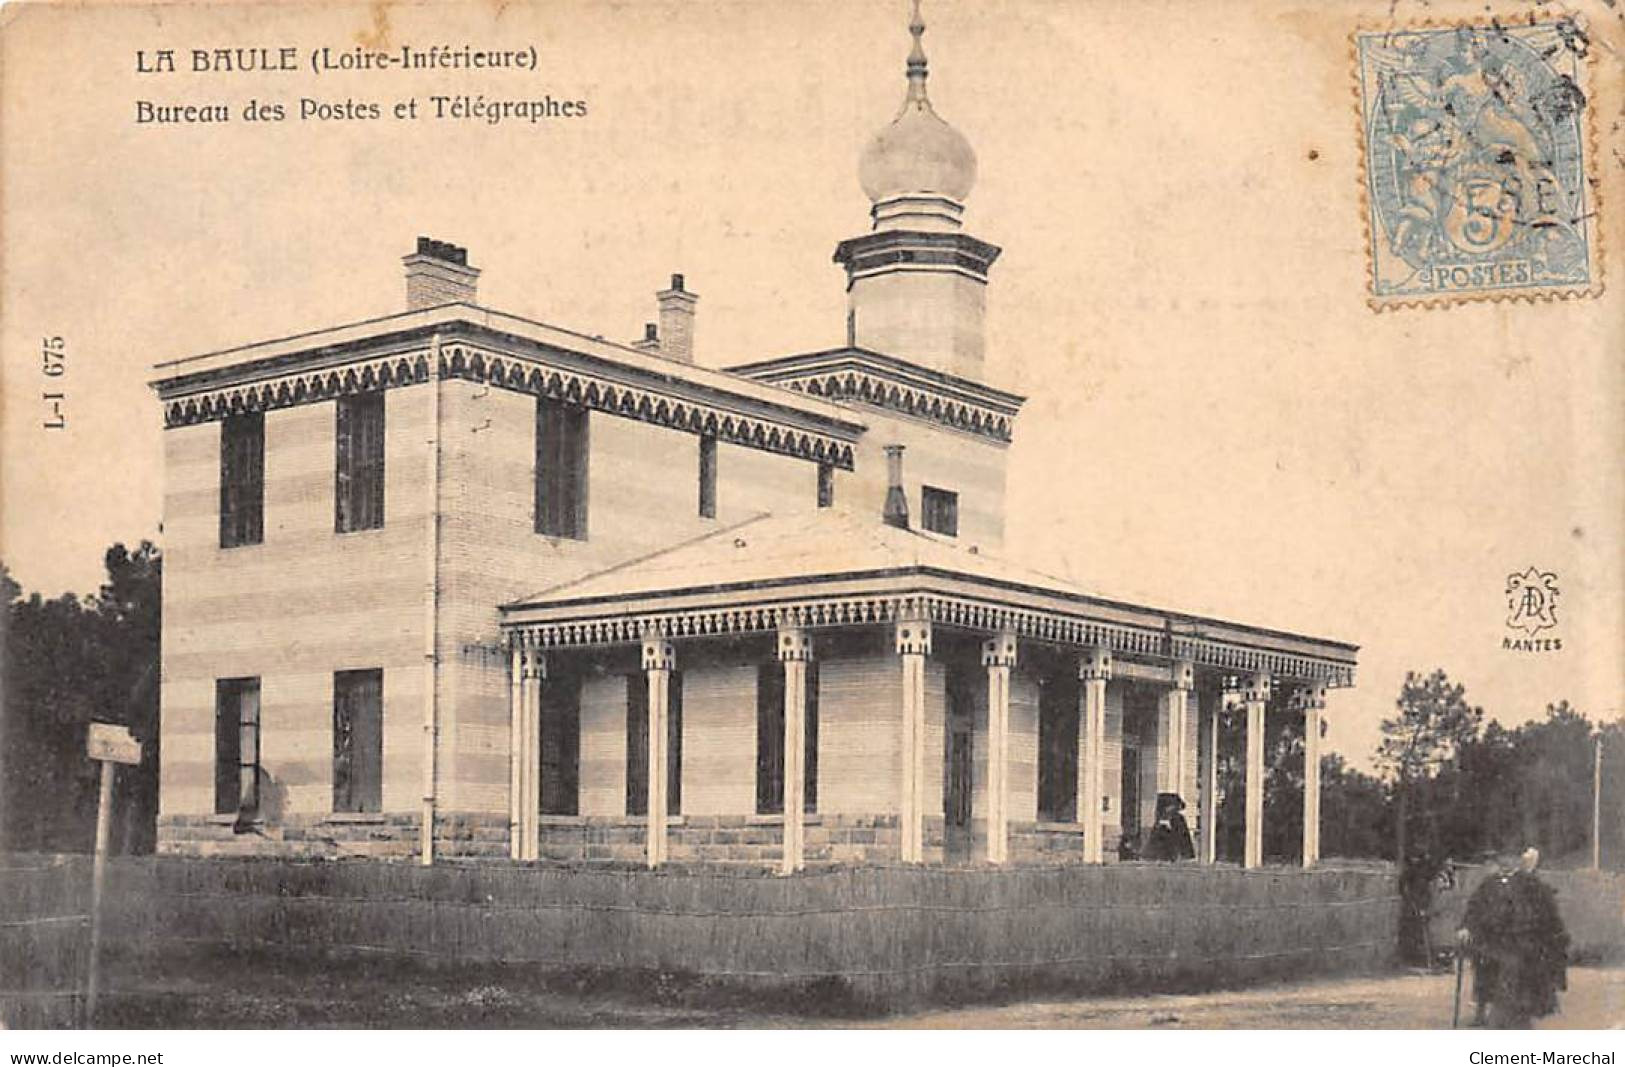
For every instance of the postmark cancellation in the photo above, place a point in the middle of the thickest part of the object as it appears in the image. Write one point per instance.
(1475, 144)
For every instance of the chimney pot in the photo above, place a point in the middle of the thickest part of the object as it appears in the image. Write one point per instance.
(438, 273)
(676, 336)
(651, 332)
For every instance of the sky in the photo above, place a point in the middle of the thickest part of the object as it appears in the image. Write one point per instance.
(1217, 423)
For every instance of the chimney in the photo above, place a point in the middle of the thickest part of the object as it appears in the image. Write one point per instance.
(677, 321)
(438, 273)
(651, 339)
(895, 511)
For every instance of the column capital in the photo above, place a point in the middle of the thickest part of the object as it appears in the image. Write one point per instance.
(1095, 665)
(658, 654)
(1183, 674)
(794, 644)
(1246, 688)
(914, 637)
(1000, 650)
(533, 663)
(1306, 696)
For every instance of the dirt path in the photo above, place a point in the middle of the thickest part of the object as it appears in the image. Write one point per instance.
(1595, 1000)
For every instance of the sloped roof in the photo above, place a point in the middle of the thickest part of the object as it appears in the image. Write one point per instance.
(830, 566)
(770, 549)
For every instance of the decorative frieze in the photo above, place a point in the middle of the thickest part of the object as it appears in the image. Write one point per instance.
(187, 402)
(943, 609)
(863, 377)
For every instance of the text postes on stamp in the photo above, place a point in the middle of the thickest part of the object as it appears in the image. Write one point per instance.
(1476, 157)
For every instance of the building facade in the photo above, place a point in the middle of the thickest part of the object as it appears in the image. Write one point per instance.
(456, 583)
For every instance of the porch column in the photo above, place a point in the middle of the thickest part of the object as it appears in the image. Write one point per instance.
(1094, 669)
(998, 656)
(1174, 720)
(659, 660)
(534, 671)
(795, 649)
(516, 760)
(1310, 699)
(1255, 694)
(913, 645)
(1209, 826)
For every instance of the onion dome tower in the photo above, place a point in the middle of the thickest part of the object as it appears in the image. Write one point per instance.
(916, 285)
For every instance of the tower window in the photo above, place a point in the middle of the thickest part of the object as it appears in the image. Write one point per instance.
(358, 741)
(242, 480)
(358, 491)
(939, 510)
(708, 477)
(561, 470)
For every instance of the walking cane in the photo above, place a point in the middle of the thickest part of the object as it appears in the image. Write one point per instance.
(1455, 1010)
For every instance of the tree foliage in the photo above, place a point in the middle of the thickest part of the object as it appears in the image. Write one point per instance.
(70, 661)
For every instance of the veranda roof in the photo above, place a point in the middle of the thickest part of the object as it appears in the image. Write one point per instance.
(832, 568)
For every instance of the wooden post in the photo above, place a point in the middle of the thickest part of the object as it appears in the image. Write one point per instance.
(1210, 790)
(516, 754)
(111, 745)
(1174, 719)
(913, 645)
(1094, 669)
(795, 649)
(1255, 695)
(104, 819)
(531, 746)
(998, 656)
(1310, 700)
(659, 660)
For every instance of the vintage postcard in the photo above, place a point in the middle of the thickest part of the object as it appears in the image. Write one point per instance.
(1041, 513)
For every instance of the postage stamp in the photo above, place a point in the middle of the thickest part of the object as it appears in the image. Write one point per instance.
(1476, 155)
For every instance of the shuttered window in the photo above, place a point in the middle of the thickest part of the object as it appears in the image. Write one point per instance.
(561, 470)
(358, 741)
(358, 492)
(708, 477)
(826, 485)
(242, 480)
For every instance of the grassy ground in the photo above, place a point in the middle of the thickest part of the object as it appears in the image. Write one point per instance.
(203, 990)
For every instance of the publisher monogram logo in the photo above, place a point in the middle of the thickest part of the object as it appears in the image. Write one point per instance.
(1531, 608)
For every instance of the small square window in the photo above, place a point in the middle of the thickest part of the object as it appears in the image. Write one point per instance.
(939, 511)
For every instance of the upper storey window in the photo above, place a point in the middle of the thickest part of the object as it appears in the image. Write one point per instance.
(939, 510)
(242, 480)
(708, 477)
(358, 491)
(561, 470)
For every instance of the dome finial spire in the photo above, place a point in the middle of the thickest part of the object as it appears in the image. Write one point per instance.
(916, 60)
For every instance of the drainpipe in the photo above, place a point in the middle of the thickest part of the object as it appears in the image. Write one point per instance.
(431, 615)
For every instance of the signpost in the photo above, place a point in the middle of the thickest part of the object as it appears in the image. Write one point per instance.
(111, 744)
